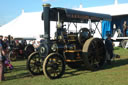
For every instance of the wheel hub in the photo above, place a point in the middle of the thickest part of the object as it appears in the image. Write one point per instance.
(42, 50)
(37, 63)
(55, 66)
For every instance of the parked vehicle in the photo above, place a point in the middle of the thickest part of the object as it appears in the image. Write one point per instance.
(75, 49)
(20, 48)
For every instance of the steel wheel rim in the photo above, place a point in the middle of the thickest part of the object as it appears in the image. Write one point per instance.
(94, 53)
(94, 58)
(35, 64)
(54, 66)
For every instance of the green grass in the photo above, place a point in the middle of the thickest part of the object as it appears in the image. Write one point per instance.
(121, 51)
(115, 74)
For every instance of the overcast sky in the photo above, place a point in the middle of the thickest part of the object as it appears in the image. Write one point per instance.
(10, 9)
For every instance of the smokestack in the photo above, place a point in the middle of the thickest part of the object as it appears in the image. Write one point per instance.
(46, 17)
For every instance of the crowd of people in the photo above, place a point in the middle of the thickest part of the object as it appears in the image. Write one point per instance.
(121, 32)
(6, 45)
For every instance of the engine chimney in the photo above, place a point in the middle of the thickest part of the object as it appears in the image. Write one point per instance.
(46, 18)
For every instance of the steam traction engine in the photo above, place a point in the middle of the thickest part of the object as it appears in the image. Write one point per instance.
(76, 49)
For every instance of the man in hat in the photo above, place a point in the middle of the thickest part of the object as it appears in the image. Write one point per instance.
(124, 28)
(109, 48)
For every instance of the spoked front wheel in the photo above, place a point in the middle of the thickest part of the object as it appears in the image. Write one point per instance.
(54, 66)
(34, 63)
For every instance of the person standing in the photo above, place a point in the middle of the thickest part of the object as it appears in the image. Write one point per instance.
(1, 40)
(114, 28)
(109, 48)
(4, 46)
(36, 44)
(1, 63)
(124, 28)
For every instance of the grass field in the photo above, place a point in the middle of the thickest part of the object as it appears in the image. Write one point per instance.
(115, 74)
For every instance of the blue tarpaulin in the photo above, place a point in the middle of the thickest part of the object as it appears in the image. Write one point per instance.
(106, 28)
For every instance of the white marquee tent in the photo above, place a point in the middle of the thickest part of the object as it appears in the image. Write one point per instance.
(27, 24)
(113, 10)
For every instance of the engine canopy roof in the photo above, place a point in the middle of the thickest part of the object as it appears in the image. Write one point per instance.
(70, 15)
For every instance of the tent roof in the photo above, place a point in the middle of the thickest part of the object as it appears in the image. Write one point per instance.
(114, 10)
(25, 25)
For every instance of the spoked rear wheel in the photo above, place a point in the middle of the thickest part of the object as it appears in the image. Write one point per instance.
(94, 53)
(13, 55)
(54, 66)
(34, 63)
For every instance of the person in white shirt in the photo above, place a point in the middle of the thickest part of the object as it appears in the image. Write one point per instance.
(36, 44)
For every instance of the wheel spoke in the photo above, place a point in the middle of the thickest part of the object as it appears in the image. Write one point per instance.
(33, 68)
(38, 69)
